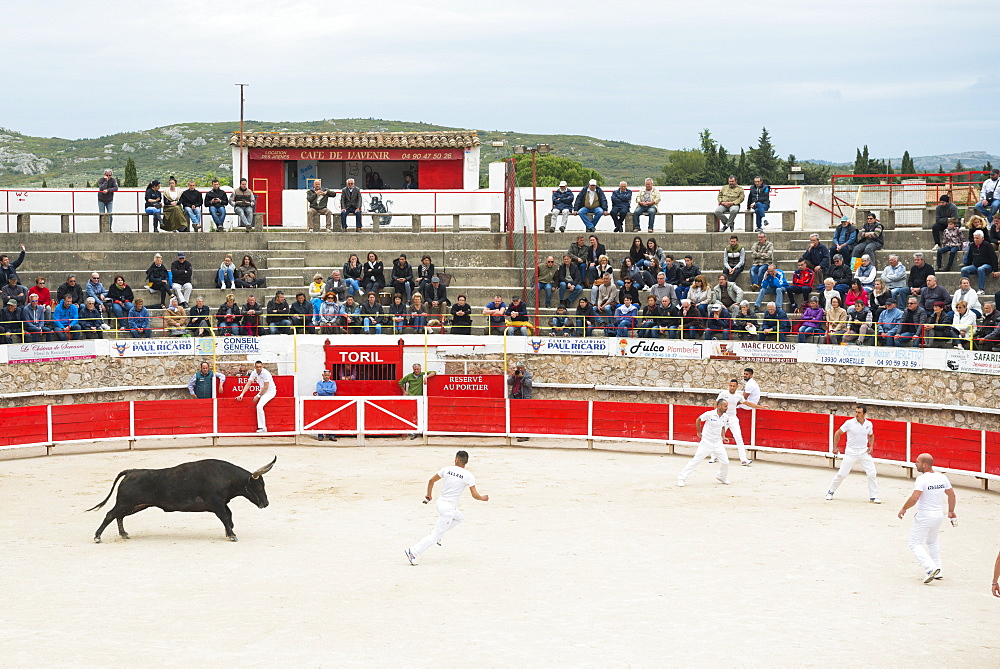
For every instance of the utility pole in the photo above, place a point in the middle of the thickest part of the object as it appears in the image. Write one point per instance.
(242, 86)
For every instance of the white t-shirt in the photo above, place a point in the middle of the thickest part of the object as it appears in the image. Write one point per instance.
(454, 481)
(732, 398)
(750, 386)
(262, 378)
(713, 426)
(857, 436)
(931, 486)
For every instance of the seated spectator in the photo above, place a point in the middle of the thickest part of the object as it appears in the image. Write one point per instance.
(879, 297)
(915, 281)
(628, 288)
(988, 334)
(597, 273)
(966, 294)
(836, 321)
(247, 274)
(350, 202)
(692, 324)
(993, 232)
(911, 324)
(517, 315)
(624, 317)
(316, 290)
(545, 276)
(328, 318)
(181, 273)
(932, 293)
(813, 320)
(14, 291)
(560, 325)
(686, 275)
(802, 283)
(594, 252)
(894, 273)
(590, 201)
(91, 322)
(352, 314)
(818, 257)
(647, 319)
(121, 297)
(761, 256)
(718, 323)
(663, 289)
(217, 200)
(951, 242)
(845, 236)
(989, 196)
(228, 317)
(425, 272)
(570, 283)
(371, 314)
(744, 322)
(279, 319)
(855, 294)
(859, 323)
(11, 323)
(436, 297)
(668, 319)
(829, 291)
(841, 274)
(192, 201)
(42, 291)
(729, 198)
(605, 298)
(964, 323)
(138, 321)
(887, 326)
(158, 280)
(652, 253)
(154, 203)
(65, 319)
(773, 282)
(646, 202)
(700, 294)
(373, 274)
(759, 201)
(199, 319)
(578, 253)
(70, 288)
(461, 317)
(866, 273)
(251, 316)
(673, 273)
(870, 238)
(774, 323)
(727, 293)
(496, 311)
(175, 319)
(37, 319)
(226, 276)
(402, 276)
(336, 284)
(301, 313)
(586, 318)
(621, 203)
(981, 259)
(942, 213)
(938, 331)
(633, 272)
(562, 204)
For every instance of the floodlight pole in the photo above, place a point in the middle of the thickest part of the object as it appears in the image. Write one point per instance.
(242, 86)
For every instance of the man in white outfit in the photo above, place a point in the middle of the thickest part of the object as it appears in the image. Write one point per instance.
(736, 399)
(265, 394)
(456, 479)
(929, 489)
(860, 440)
(710, 426)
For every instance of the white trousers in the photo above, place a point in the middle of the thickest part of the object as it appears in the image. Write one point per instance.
(264, 399)
(737, 432)
(182, 291)
(925, 530)
(845, 468)
(704, 450)
(448, 517)
(559, 218)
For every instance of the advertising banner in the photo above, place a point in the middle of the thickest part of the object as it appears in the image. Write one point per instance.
(976, 362)
(356, 154)
(470, 385)
(686, 349)
(865, 356)
(570, 345)
(45, 351)
(228, 346)
(139, 348)
(753, 351)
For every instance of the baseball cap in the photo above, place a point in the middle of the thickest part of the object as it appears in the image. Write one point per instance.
(181, 254)
(593, 182)
(562, 183)
(434, 279)
(844, 218)
(11, 301)
(715, 307)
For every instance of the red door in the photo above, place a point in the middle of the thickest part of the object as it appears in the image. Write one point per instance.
(267, 179)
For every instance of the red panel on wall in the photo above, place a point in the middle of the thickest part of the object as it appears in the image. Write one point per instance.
(242, 416)
(548, 417)
(436, 175)
(166, 417)
(23, 425)
(684, 417)
(466, 414)
(993, 453)
(791, 429)
(90, 421)
(267, 180)
(316, 414)
(890, 440)
(618, 419)
(952, 447)
(398, 414)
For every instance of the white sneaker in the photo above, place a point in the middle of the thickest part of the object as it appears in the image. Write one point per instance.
(722, 480)
(747, 463)
(680, 483)
(262, 430)
(712, 460)
(935, 247)
(875, 500)
(980, 292)
(931, 575)
(829, 496)
(410, 556)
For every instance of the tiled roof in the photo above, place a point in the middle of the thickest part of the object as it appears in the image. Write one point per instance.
(356, 140)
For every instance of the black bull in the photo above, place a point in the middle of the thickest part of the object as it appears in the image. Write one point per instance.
(203, 485)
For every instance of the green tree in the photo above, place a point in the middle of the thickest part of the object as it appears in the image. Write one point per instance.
(88, 184)
(764, 160)
(684, 169)
(44, 184)
(959, 167)
(907, 167)
(553, 169)
(131, 179)
(988, 166)
(743, 172)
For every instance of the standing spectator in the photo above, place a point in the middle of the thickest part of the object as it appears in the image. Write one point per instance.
(301, 313)
(217, 199)
(226, 277)
(95, 289)
(730, 196)
(202, 385)
(121, 297)
(845, 237)
(71, 288)
(350, 203)
(154, 204)
(773, 282)
(819, 258)
(519, 384)
(646, 202)
(621, 202)
(461, 317)
(106, 187)
(496, 311)
(228, 317)
(278, 319)
(989, 196)
(318, 198)
(562, 204)
(761, 255)
(8, 268)
(251, 316)
(156, 280)
(353, 272)
(14, 291)
(802, 281)
(326, 388)
(590, 200)
(200, 319)
(734, 258)
(371, 314)
(373, 274)
(870, 238)
(175, 319)
(402, 276)
(192, 202)
(244, 202)
(138, 321)
(91, 323)
(11, 323)
(247, 274)
(37, 320)
(42, 291)
(425, 270)
(181, 273)
(173, 211)
(759, 202)
(546, 278)
(942, 213)
(981, 259)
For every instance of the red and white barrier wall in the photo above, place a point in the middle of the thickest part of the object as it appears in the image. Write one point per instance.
(958, 450)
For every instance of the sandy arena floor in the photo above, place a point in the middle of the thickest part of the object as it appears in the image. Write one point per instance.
(579, 558)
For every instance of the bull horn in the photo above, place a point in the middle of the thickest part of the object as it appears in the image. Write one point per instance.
(265, 469)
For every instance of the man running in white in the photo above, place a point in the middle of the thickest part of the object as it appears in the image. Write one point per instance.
(860, 439)
(735, 399)
(928, 490)
(456, 479)
(710, 426)
(266, 393)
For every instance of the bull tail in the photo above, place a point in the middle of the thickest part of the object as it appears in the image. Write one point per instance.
(105, 500)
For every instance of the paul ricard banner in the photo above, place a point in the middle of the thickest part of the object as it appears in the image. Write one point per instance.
(142, 348)
(570, 345)
(678, 349)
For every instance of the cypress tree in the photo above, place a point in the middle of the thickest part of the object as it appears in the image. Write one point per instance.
(131, 179)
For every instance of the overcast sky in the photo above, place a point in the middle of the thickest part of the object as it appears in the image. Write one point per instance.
(824, 78)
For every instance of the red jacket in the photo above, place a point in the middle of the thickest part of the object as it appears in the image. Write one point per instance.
(803, 277)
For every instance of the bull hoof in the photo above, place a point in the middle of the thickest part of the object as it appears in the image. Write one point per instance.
(97, 540)
(232, 537)
(125, 535)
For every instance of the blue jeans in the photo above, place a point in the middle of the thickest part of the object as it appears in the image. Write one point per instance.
(229, 328)
(141, 333)
(759, 208)
(982, 271)
(37, 332)
(284, 325)
(648, 330)
(681, 292)
(584, 326)
(806, 330)
(757, 273)
(226, 278)
(157, 214)
(218, 215)
(908, 339)
(952, 250)
(246, 216)
(120, 310)
(639, 211)
(106, 207)
(994, 208)
(574, 295)
(417, 323)
(887, 340)
(61, 334)
(547, 289)
(623, 325)
(368, 322)
(596, 211)
(779, 297)
(354, 285)
(344, 213)
(194, 215)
